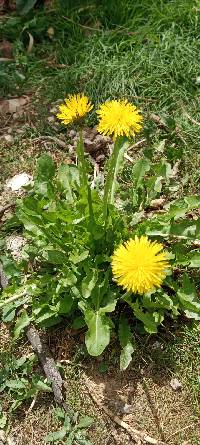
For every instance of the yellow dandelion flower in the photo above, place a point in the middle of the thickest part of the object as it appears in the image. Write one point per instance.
(139, 265)
(119, 118)
(76, 107)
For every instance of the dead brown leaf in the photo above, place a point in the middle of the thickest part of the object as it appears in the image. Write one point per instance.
(31, 43)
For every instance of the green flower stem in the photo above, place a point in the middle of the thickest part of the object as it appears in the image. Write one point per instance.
(81, 160)
(114, 165)
(83, 174)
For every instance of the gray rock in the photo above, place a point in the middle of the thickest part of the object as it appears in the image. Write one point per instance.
(176, 384)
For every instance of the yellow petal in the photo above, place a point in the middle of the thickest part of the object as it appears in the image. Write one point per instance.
(139, 265)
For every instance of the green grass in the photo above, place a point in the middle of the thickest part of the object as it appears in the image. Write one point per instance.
(145, 51)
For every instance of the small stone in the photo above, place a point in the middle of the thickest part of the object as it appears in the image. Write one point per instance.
(13, 105)
(92, 134)
(54, 126)
(4, 283)
(176, 385)
(156, 345)
(54, 110)
(51, 119)
(157, 203)
(8, 138)
(127, 409)
(175, 169)
(19, 131)
(18, 181)
(11, 440)
(72, 133)
(99, 138)
(121, 406)
(16, 116)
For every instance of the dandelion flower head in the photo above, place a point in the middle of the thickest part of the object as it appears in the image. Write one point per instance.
(75, 108)
(139, 265)
(119, 118)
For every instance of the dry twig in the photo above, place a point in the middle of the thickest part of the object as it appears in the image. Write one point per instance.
(128, 158)
(82, 26)
(137, 145)
(192, 119)
(59, 142)
(187, 427)
(32, 404)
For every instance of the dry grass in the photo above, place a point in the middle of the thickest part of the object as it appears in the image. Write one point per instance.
(156, 407)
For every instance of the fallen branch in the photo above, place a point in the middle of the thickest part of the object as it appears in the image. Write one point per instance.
(138, 436)
(48, 364)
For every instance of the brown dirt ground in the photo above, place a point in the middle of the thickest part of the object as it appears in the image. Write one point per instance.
(154, 407)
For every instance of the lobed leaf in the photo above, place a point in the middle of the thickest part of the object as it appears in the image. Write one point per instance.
(84, 422)
(56, 435)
